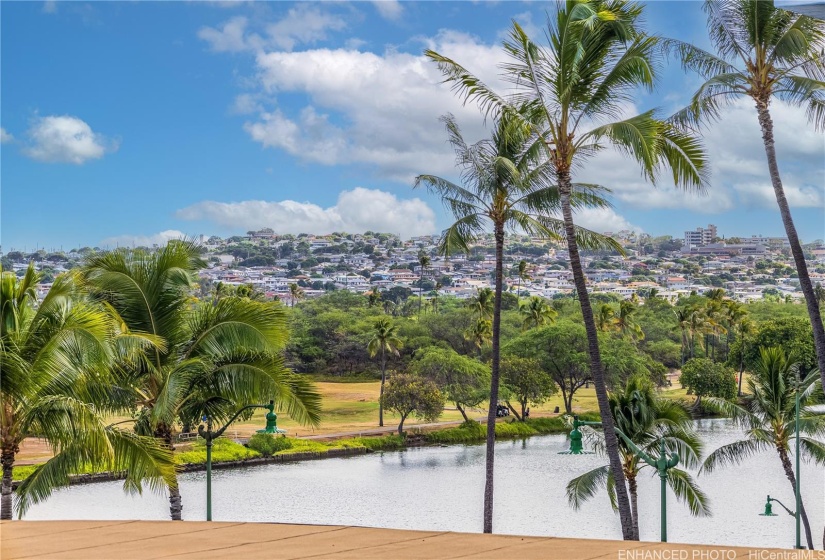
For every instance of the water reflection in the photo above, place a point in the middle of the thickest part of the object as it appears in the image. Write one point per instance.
(440, 488)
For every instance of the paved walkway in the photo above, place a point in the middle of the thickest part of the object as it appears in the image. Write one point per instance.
(199, 540)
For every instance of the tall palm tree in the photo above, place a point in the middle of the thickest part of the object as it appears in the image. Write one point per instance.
(507, 185)
(768, 417)
(480, 334)
(295, 293)
(596, 61)
(646, 419)
(522, 275)
(423, 262)
(605, 317)
(683, 324)
(535, 312)
(626, 322)
(57, 356)
(210, 359)
(764, 53)
(436, 295)
(482, 303)
(384, 340)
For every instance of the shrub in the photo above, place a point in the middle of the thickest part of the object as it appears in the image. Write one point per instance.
(381, 443)
(267, 444)
(704, 378)
(222, 450)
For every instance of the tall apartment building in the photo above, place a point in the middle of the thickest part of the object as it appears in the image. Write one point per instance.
(700, 236)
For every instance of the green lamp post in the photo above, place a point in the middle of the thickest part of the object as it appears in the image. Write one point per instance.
(797, 490)
(209, 436)
(662, 464)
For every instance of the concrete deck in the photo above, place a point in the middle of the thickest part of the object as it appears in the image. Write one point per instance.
(142, 540)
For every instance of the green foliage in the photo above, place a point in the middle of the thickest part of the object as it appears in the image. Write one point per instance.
(526, 381)
(267, 444)
(473, 432)
(464, 381)
(705, 378)
(222, 450)
(391, 442)
(406, 395)
(794, 335)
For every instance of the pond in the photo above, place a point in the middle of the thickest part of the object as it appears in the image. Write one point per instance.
(441, 488)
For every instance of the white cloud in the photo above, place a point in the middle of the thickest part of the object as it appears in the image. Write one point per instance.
(603, 219)
(127, 240)
(389, 9)
(388, 106)
(303, 24)
(356, 210)
(5, 136)
(65, 139)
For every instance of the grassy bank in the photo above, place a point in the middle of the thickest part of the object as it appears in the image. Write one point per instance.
(474, 432)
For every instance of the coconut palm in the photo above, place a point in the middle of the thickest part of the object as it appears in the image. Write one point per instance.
(522, 275)
(596, 61)
(482, 303)
(646, 420)
(423, 262)
(683, 324)
(480, 333)
(535, 312)
(763, 53)
(56, 357)
(625, 321)
(295, 293)
(384, 340)
(768, 417)
(507, 185)
(605, 318)
(210, 359)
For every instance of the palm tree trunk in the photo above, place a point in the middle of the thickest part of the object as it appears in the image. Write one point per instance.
(786, 464)
(766, 123)
(597, 371)
(7, 460)
(741, 366)
(634, 503)
(494, 379)
(164, 433)
(420, 289)
(381, 396)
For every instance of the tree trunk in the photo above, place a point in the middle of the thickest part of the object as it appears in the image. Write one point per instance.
(786, 464)
(597, 372)
(463, 413)
(494, 380)
(766, 124)
(634, 502)
(741, 366)
(515, 412)
(381, 396)
(7, 461)
(401, 425)
(164, 433)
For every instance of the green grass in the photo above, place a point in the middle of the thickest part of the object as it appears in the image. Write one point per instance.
(23, 472)
(222, 450)
(473, 432)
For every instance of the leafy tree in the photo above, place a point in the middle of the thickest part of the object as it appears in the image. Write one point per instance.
(764, 52)
(646, 420)
(591, 67)
(560, 350)
(792, 334)
(536, 312)
(705, 378)
(527, 382)
(768, 417)
(57, 357)
(384, 340)
(407, 395)
(206, 359)
(465, 382)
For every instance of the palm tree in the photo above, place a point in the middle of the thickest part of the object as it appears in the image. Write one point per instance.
(683, 323)
(596, 61)
(373, 297)
(480, 333)
(605, 318)
(436, 290)
(507, 185)
(295, 293)
(536, 312)
(423, 262)
(646, 419)
(522, 275)
(384, 339)
(626, 322)
(768, 417)
(482, 303)
(57, 356)
(209, 359)
(763, 53)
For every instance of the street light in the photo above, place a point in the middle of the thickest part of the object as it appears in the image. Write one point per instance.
(662, 464)
(209, 436)
(797, 490)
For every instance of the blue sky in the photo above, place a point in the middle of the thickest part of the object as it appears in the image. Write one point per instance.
(131, 122)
